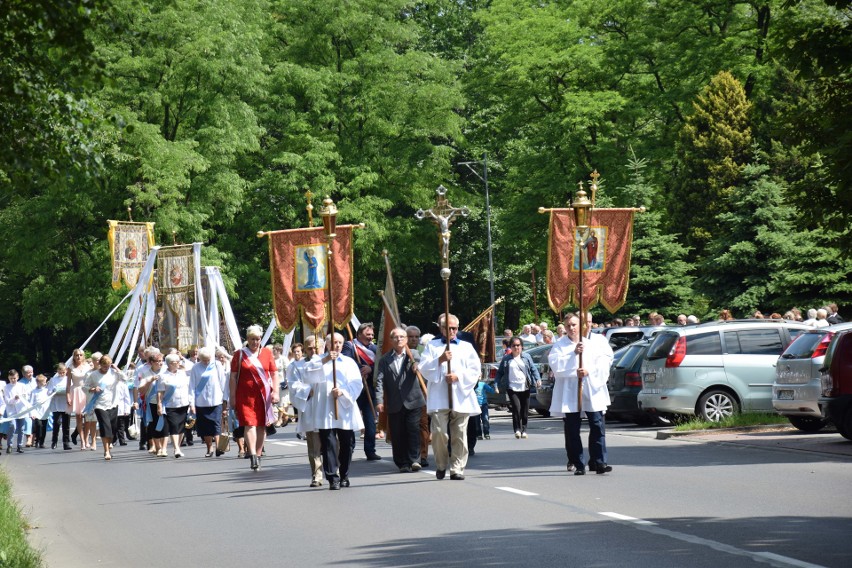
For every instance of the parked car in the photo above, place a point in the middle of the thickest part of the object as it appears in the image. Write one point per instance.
(837, 382)
(539, 397)
(797, 389)
(625, 382)
(619, 337)
(715, 369)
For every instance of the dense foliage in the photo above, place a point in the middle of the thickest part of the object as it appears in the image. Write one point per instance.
(727, 119)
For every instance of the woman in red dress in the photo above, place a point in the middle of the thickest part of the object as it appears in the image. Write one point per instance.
(252, 391)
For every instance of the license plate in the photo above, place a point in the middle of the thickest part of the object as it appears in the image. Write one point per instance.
(649, 377)
(785, 395)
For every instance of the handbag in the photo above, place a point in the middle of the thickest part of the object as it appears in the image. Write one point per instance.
(223, 440)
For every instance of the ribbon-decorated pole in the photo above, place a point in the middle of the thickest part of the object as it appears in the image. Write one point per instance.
(442, 215)
(328, 212)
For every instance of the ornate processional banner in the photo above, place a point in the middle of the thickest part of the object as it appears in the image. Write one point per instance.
(605, 258)
(482, 330)
(177, 314)
(298, 266)
(129, 244)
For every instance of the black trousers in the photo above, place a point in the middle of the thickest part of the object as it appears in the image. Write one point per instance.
(337, 449)
(39, 432)
(405, 433)
(520, 406)
(121, 434)
(63, 420)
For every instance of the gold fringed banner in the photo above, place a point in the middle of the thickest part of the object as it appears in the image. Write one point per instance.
(298, 266)
(177, 311)
(606, 259)
(129, 244)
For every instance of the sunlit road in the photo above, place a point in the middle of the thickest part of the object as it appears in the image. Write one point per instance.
(667, 503)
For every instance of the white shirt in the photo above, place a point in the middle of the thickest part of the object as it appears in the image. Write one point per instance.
(563, 360)
(57, 384)
(318, 374)
(180, 381)
(528, 338)
(39, 401)
(107, 399)
(517, 378)
(122, 398)
(215, 388)
(300, 396)
(465, 365)
(10, 391)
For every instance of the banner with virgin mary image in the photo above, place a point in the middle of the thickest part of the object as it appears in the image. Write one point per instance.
(129, 246)
(605, 254)
(177, 313)
(299, 266)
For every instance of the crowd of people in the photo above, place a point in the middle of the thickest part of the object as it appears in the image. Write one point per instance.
(424, 390)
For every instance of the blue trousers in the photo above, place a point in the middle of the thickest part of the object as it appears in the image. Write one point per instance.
(597, 439)
(369, 423)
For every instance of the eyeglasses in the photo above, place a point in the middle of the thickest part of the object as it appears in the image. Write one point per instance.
(454, 328)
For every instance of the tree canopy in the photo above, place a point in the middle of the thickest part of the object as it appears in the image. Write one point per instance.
(727, 119)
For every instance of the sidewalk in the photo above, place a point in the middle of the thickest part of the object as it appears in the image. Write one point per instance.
(784, 438)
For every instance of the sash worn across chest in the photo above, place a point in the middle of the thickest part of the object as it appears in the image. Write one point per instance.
(367, 356)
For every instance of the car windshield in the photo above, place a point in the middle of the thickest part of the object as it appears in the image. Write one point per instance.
(630, 354)
(539, 354)
(804, 345)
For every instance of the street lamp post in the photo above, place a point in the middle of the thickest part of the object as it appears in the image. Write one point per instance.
(484, 179)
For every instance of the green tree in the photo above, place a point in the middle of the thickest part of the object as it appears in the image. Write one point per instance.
(715, 144)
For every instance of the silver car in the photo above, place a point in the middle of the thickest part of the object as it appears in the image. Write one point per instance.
(716, 369)
(797, 389)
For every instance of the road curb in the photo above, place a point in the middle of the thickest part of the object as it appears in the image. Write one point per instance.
(666, 434)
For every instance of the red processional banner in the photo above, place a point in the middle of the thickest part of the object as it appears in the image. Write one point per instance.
(299, 266)
(605, 258)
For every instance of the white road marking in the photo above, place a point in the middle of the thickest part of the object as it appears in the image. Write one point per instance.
(626, 518)
(291, 444)
(517, 491)
(764, 557)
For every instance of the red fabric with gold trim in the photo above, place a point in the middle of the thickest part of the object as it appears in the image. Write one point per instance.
(606, 259)
(297, 260)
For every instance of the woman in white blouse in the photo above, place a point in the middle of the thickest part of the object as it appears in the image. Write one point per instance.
(173, 401)
(208, 397)
(101, 385)
(516, 375)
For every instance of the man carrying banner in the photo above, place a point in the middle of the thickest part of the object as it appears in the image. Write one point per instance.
(564, 363)
(363, 352)
(450, 417)
(337, 434)
(396, 383)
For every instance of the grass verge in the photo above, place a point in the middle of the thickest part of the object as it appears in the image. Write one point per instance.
(15, 550)
(735, 421)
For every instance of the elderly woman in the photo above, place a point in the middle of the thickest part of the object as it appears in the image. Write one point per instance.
(173, 401)
(208, 395)
(101, 385)
(147, 381)
(75, 396)
(253, 391)
(516, 375)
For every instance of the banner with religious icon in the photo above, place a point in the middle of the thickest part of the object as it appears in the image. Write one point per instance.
(177, 313)
(298, 264)
(129, 245)
(605, 258)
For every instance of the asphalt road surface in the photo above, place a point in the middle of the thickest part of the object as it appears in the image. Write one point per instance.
(696, 502)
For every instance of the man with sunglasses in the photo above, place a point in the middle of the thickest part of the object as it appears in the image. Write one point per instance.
(449, 422)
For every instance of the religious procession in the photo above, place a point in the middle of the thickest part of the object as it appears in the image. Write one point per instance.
(177, 367)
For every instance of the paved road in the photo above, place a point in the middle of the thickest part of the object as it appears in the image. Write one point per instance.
(676, 502)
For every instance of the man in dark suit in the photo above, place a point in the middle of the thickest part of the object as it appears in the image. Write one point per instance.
(363, 351)
(397, 385)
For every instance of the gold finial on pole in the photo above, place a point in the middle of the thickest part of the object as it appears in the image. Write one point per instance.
(310, 208)
(594, 185)
(130, 213)
(328, 212)
(174, 237)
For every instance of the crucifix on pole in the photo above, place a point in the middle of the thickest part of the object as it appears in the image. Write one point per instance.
(442, 215)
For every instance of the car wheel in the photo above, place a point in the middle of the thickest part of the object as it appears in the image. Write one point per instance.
(846, 429)
(543, 413)
(808, 423)
(715, 405)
